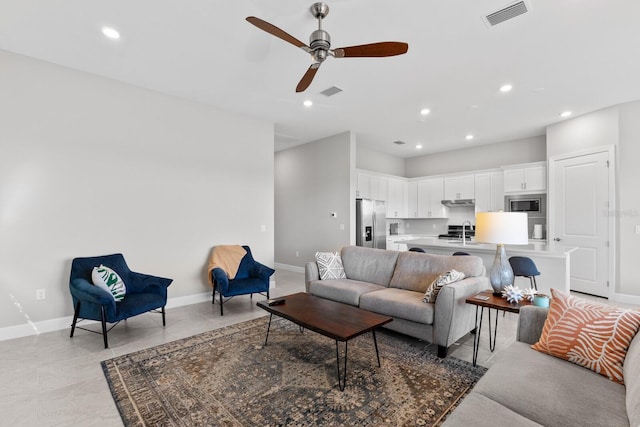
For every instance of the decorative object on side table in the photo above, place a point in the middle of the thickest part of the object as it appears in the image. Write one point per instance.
(501, 228)
(529, 294)
(513, 294)
(541, 300)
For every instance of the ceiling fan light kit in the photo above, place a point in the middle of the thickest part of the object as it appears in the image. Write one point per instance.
(320, 44)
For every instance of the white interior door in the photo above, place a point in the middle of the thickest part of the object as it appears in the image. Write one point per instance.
(581, 219)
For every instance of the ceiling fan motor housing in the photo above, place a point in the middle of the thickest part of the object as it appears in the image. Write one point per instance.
(320, 43)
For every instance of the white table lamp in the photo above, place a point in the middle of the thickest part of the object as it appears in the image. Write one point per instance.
(501, 228)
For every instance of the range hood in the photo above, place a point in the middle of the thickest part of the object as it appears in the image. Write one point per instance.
(459, 203)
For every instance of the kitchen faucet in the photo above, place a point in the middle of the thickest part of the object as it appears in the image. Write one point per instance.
(464, 237)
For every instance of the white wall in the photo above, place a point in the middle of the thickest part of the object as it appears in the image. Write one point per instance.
(379, 162)
(90, 166)
(311, 181)
(478, 157)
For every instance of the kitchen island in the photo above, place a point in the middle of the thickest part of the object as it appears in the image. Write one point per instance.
(553, 260)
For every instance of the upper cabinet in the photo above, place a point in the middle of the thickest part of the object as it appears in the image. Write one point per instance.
(489, 191)
(430, 195)
(459, 187)
(397, 200)
(371, 186)
(530, 178)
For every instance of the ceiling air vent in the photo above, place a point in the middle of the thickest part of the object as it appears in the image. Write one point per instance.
(506, 13)
(331, 91)
(399, 142)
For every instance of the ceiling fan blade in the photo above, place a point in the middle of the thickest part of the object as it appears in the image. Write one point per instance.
(308, 77)
(272, 29)
(372, 50)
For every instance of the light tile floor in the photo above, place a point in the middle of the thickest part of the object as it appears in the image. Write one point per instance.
(52, 380)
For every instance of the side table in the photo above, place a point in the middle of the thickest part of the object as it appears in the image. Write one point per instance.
(481, 301)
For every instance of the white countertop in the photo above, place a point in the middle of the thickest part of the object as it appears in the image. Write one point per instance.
(538, 249)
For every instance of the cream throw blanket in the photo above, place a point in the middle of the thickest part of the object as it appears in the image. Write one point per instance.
(226, 257)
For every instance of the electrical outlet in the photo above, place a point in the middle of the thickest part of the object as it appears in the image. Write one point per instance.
(341, 226)
(41, 294)
(297, 253)
(637, 229)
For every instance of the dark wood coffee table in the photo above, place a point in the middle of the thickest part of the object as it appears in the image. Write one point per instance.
(335, 320)
(499, 304)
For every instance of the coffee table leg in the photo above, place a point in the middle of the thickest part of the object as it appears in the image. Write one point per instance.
(268, 328)
(476, 338)
(375, 343)
(342, 380)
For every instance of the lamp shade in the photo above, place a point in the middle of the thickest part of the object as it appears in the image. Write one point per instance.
(507, 228)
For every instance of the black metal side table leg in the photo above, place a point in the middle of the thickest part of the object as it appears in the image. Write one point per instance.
(492, 342)
(476, 338)
(342, 380)
(268, 328)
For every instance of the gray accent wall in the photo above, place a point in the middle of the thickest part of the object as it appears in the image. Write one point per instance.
(620, 126)
(90, 166)
(478, 157)
(312, 181)
(379, 162)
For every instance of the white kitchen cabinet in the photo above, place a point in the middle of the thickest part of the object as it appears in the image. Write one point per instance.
(459, 187)
(489, 191)
(371, 186)
(412, 199)
(430, 196)
(526, 179)
(397, 192)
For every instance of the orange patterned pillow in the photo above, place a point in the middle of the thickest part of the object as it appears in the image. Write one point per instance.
(588, 334)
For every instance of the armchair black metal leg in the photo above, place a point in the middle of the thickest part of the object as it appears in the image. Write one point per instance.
(213, 294)
(75, 319)
(164, 322)
(104, 326)
(221, 302)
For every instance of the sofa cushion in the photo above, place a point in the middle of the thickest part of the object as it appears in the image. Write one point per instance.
(398, 303)
(631, 370)
(342, 290)
(415, 271)
(552, 391)
(368, 264)
(589, 334)
(479, 411)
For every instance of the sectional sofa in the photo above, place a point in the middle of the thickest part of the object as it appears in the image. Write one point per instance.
(525, 387)
(393, 283)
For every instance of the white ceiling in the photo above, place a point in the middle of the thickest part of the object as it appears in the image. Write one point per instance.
(578, 55)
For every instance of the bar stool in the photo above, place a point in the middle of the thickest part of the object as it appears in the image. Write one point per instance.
(416, 250)
(460, 253)
(525, 267)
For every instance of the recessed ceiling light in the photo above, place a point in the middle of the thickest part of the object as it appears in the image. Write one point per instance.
(425, 112)
(111, 33)
(565, 114)
(308, 103)
(469, 137)
(506, 88)
(418, 146)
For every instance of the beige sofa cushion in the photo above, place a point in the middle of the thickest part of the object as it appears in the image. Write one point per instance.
(342, 290)
(398, 303)
(415, 271)
(369, 265)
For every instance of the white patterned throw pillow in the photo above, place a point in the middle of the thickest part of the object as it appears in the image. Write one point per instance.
(444, 279)
(330, 265)
(109, 280)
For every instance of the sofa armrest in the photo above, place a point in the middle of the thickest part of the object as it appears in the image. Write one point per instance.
(311, 273)
(530, 323)
(453, 317)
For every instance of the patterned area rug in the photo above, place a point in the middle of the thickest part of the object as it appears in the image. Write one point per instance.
(226, 377)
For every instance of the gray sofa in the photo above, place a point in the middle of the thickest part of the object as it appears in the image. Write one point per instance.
(528, 388)
(393, 283)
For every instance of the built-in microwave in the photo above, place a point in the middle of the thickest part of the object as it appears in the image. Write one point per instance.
(534, 205)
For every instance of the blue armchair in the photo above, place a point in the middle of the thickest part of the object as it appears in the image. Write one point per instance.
(143, 293)
(251, 278)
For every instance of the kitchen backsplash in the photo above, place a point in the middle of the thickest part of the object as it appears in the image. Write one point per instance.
(432, 227)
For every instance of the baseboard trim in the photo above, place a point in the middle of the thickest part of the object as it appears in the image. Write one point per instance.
(627, 299)
(288, 267)
(44, 326)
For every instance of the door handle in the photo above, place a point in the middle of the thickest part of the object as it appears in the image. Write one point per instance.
(556, 239)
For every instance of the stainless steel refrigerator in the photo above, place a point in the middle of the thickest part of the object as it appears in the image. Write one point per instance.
(371, 223)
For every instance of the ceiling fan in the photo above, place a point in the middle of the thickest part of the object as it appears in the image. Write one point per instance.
(320, 44)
